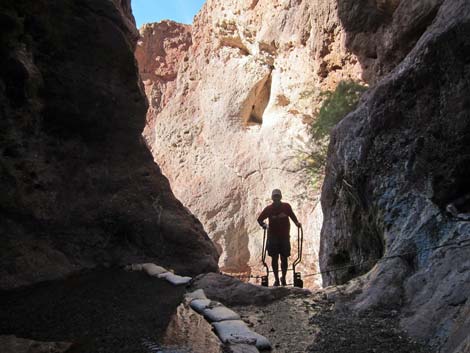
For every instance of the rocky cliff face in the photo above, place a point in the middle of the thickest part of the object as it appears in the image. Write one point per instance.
(231, 131)
(78, 186)
(160, 49)
(398, 162)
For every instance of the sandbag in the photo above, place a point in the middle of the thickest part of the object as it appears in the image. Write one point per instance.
(219, 313)
(153, 270)
(200, 304)
(163, 275)
(197, 294)
(236, 331)
(133, 267)
(175, 279)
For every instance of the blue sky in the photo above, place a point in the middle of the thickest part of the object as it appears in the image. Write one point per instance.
(182, 11)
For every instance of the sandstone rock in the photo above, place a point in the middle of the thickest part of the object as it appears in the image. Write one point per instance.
(78, 186)
(160, 49)
(395, 164)
(189, 329)
(231, 130)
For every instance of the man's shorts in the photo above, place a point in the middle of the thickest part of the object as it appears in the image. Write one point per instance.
(278, 245)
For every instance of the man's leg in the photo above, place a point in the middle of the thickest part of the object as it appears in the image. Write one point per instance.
(283, 269)
(275, 260)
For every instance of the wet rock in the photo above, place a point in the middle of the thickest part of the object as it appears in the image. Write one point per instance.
(104, 311)
(13, 344)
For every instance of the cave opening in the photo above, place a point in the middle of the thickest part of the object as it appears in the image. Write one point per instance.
(257, 101)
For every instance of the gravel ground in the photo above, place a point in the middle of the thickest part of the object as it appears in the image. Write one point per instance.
(103, 311)
(299, 324)
(374, 331)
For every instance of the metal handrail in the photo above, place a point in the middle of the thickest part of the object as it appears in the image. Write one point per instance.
(263, 255)
(300, 241)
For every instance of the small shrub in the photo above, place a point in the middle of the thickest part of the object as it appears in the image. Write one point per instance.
(336, 105)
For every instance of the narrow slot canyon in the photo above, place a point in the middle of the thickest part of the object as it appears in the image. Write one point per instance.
(157, 164)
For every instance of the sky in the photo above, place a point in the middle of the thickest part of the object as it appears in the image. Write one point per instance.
(182, 11)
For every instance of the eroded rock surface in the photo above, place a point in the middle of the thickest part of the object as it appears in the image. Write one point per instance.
(78, 187)
(395, 164)
(232, 130)
(159, 51)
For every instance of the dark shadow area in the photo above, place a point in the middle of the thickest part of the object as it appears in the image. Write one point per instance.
(382, 33)
(104, 311)
(75, 177)
(407, 143)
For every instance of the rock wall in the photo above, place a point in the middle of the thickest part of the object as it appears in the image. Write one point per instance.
(397, 162)
(231, 131)
(160, 49)
(78, 187)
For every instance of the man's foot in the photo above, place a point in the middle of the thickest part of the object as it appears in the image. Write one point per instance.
(283, 281)
(276, 283)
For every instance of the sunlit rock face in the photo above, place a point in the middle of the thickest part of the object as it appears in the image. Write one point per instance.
(78, 186)
(159, 51)
(397, 162)
(231, 131)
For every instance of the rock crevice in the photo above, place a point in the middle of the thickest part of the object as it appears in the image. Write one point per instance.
(243, 94)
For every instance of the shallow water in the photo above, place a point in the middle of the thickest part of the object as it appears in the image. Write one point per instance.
(153, 347)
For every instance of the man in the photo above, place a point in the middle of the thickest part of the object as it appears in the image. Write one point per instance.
(278, 242)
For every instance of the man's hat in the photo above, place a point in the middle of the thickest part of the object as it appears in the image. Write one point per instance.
(276, 192)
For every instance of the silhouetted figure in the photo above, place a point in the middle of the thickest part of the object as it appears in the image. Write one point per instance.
(278, 242)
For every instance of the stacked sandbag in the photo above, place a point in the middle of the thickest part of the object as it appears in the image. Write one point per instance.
(160, 272)
(230, 329)
(227, 323)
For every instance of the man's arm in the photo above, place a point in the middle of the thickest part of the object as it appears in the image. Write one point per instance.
(293, 217)
(262, 217)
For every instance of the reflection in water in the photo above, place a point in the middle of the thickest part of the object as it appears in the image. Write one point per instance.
(187, 332)
(153, 347)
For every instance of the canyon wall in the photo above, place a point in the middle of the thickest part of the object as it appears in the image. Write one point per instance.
(398, 169)
(240, 102)
(232, 130)
(78, 186)
(159, 51)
